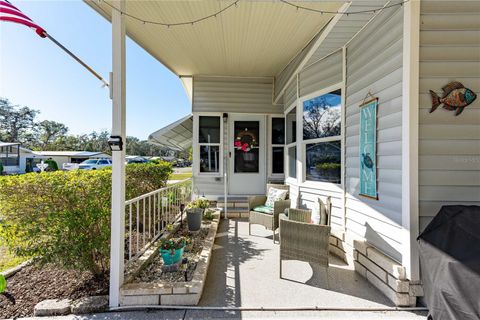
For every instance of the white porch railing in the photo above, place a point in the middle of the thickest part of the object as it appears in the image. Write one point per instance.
(148, 215)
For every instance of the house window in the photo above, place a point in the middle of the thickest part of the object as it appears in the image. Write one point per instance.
(323, 161)
(209, 130)
(291, 123)
(292, 162)
(278, 131)
(277, 160)
(322, 139)
(322, 116)
(278, 142)
(10, 155)
(209, 158)
(209, 134)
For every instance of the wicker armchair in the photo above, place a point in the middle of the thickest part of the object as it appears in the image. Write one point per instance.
(269, 221)
(302, 240)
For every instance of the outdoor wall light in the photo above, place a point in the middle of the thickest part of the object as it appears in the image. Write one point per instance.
(225, 117)
(115, 143)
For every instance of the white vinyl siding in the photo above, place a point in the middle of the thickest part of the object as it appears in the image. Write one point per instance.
(290, 95)
(323, 74)
(449, 146)
(374, 64)
(208, 186)
(233, 95)
(345, 28)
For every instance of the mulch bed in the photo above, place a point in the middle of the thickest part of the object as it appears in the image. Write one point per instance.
(33, 284)
(154, 272)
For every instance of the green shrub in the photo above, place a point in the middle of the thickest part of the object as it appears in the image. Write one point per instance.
(63, 217)
(1, 168)
(142, 178)
(52, 165)
(328, 166)
(209, 214)
(59, 217)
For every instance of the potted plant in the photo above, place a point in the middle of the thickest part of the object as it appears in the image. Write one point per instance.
(172, 249)
(195, 211)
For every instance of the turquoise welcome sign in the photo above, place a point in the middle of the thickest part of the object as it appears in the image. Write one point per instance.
(368, 149)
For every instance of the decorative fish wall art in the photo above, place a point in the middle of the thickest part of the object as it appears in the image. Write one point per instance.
(455, 97)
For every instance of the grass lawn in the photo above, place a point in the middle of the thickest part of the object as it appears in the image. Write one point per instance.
(180, 176)
(8, 260)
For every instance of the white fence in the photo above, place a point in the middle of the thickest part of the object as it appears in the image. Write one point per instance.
(149, 214)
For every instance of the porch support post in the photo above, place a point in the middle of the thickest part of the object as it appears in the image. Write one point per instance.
(410, 98)
(118, 157)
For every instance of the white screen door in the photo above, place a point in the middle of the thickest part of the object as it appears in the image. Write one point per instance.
(247, 166)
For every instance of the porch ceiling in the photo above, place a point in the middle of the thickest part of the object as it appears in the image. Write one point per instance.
(256, 38)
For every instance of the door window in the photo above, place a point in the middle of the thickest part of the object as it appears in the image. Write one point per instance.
(246, 146)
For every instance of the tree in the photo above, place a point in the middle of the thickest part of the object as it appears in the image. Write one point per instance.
(18, 124)
(15, 122)
(49, 132)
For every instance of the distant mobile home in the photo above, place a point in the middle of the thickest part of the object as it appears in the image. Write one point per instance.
(16, 159)
(75, 157)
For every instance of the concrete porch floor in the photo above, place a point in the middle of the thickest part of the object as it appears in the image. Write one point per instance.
(244, 272)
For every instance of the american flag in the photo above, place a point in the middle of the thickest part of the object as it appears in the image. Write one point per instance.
(10, 13)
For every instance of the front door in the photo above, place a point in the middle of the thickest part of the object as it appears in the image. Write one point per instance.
(247, 165)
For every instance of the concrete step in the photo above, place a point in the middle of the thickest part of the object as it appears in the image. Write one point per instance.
(233, 204)
(232, 209)
(233, 199)
(231, 214)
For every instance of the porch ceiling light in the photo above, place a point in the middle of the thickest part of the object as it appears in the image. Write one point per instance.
(115, 143)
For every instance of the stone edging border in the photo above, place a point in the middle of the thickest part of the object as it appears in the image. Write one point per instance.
(57, 307)
(10, 272)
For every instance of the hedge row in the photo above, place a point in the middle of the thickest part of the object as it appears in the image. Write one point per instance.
(63, 217)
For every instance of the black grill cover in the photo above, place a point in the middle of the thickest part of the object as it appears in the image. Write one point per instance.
(450, 263)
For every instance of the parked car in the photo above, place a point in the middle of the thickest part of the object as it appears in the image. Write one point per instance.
(136, 160)
(180, 163)
(94, 164)
(70, 166)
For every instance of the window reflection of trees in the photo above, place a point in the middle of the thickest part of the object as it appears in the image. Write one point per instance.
(322, 116)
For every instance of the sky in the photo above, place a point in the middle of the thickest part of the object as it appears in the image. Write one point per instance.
(36, 73)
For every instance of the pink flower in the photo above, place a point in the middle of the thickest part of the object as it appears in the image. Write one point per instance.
(244, 147)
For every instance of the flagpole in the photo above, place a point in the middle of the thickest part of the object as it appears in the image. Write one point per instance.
(105, 83)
